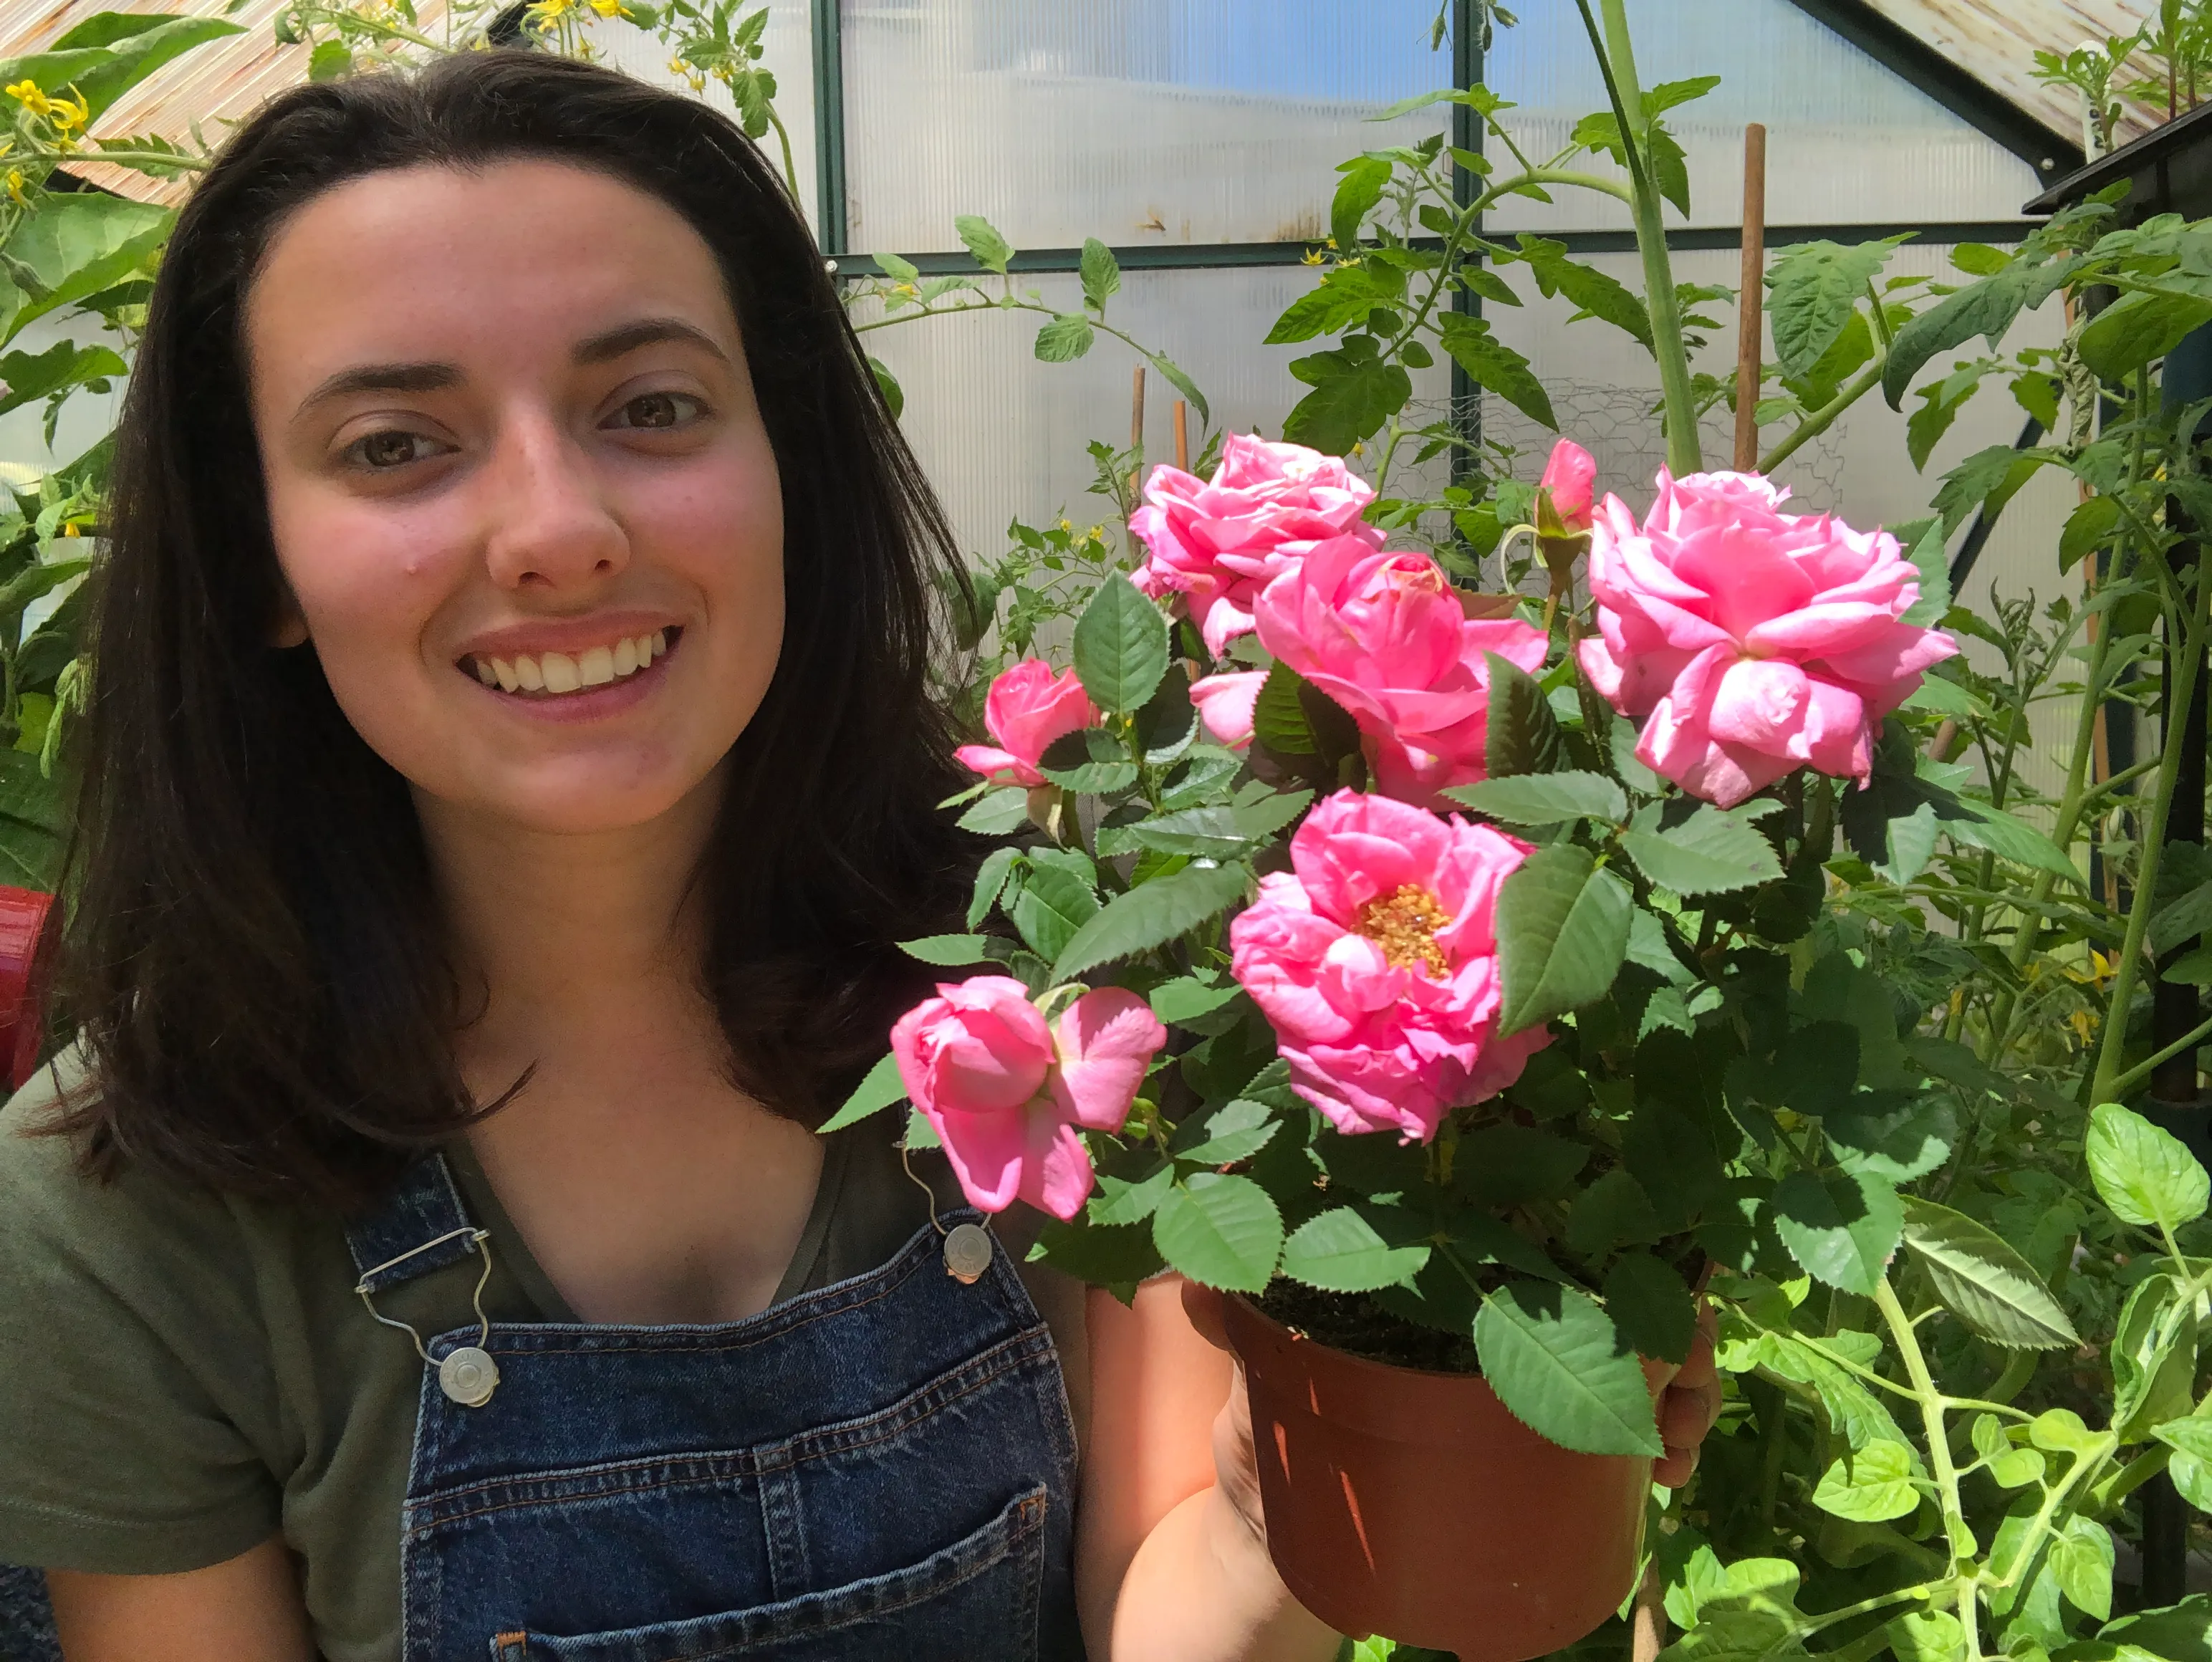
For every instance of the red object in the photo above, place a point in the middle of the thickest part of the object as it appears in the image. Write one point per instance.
(23, 916)
(1411, 1504)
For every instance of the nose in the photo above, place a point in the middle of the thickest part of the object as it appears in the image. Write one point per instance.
(548, 524)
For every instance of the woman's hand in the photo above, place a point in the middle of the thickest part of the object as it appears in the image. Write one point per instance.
(1689, 1405)
(1236, 1465)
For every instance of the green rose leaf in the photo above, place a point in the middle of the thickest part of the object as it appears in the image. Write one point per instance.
(1544, 799)
(991, 879)
(1983, 1280)
(1556, 1361)
(1150, 915)
(952, 951)
(880, 1088)
(1840, 1228)
(997, 813)
(1563, 931)
(1119, 1202)
(1870, 1485)
(1088, 760)
(2146, 1175)
(1279, 717)
(1120, 646)
(1053, 904)
(1712, 852)
(1521, 735)
(1222, 1231)
(1339, 1252)
(1652, 1306)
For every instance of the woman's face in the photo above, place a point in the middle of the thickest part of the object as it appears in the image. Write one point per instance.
(520, 487)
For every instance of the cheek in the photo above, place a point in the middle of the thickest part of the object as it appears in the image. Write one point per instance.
(725, 535)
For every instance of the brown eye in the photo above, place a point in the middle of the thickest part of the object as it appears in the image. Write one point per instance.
(393, 448)
(653, 411)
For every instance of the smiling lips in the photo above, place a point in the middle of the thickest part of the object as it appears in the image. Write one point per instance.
(552, 673)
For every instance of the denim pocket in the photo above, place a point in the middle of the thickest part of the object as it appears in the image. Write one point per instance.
(974, 1601)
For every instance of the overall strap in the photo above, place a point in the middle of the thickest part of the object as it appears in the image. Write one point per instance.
(421, 1227)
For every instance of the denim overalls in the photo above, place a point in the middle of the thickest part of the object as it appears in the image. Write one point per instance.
(882, 1469)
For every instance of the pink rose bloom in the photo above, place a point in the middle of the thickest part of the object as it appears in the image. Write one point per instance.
(1376, 960)
(1385, 636)
(1218, 543)
(1005, 1091)
(1748, 642)
(1569, 477)
(1027, 708)
(1226, 703)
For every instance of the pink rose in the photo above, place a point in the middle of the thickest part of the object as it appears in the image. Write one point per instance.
(1005, 1091)
(1027, 708)
(1385, 636)
(1375, 958)
(1218, 543)
(1226, 703)
(1568, 479)
(1748, 642)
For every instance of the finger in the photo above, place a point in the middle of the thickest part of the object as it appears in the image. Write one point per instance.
(1698, 1368)
(1203, 1305)
(1675, 1470)
(1686, 1415)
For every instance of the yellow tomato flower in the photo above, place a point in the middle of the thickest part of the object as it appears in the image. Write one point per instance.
(610, 7)
(66, 112)
(1313, 256)
(15, 187)
(26, 92)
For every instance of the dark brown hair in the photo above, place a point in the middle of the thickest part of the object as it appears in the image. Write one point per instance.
(254, 957)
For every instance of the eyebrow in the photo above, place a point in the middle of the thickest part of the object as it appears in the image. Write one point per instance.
(435, 377)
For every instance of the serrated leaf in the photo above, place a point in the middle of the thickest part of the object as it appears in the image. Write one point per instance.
(1812, 291)
(1053, 904)
(2147, 1175)
(1065, 338)
(2089, 527)
(1339, 1252)
(1118, 1203)
(1186, 997)
(1226, 1145)
(1870, 1485)
(1497, 368)
(1150, 915)
(1652, 1306)
(983, 240)
(1543, 799)
(1983, 1280)
(1356, 194)
(1090, 761)
(1556, 1362)
(1101, 272)
(1355, 390)
(1120, 646)
(1221, 1231)
(1841, 1229)
(1928, 557)
(880, 1088)
(1520, 735)
(1278, 718)
(1984, 827)
(997, 813)
(991, 881)
(1711, 852)
(1563, 931)
(1884, 1135)
(952, 951)
(2139, 328)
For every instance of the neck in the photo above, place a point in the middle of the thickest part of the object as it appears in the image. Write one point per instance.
(571, 937)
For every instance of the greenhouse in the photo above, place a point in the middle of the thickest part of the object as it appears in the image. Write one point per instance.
(1176, 830)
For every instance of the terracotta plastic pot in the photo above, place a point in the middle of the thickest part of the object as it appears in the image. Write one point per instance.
(25, 915)
(1411, 1504)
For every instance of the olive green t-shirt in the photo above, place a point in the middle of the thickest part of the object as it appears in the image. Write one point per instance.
(184, 1373)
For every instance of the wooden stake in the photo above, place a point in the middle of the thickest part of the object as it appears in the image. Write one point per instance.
(1750, 304)
(1182, 436)
(1648, 1627)
(1137, 428)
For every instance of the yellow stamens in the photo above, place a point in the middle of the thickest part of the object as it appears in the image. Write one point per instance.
(1404, 924)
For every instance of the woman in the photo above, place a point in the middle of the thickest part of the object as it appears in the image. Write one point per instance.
(510, 772)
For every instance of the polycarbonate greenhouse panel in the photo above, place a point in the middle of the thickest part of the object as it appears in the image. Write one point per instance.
(1848, 140)
(1138, 122)
(1001, 435)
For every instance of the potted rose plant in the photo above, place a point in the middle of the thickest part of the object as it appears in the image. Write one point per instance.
(1447, 990)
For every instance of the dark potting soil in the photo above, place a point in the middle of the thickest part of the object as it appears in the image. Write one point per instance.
(1355, 1323)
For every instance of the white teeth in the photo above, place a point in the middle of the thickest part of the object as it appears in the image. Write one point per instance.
(559, 672)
